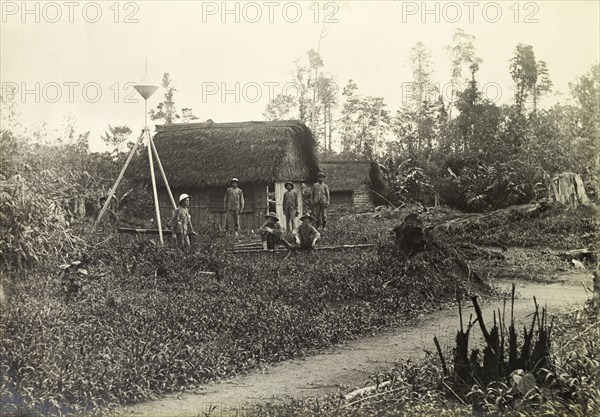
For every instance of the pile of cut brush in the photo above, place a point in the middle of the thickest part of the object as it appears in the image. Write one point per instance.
(417, 258)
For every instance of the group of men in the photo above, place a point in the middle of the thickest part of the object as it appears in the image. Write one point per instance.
(305, 235)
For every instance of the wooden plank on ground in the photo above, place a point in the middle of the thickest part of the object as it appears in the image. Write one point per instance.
(130, 230)
(283, 249)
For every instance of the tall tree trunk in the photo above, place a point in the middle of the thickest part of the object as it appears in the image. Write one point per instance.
(325, 126)
(329, 111)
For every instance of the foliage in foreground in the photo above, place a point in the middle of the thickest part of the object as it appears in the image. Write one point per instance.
(145, 320)
(47, 191)
(419, 389)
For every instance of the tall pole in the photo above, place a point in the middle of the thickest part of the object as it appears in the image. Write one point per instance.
(146, 89)
(156, 206)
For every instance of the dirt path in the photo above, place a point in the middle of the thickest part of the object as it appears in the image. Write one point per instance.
(353, 362)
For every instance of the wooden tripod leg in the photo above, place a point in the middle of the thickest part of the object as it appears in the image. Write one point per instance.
(156, 206)
(162, 171)
(119, 178)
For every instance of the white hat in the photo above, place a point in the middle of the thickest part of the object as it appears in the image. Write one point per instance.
(183, 197)
(234, 180)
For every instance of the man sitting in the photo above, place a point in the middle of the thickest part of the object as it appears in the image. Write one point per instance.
(270, 232)
(306, 235)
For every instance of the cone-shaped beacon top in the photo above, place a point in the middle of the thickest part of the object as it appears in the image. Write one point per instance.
(146, 90)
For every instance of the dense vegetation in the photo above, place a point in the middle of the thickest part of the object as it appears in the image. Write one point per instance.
(141, 320)
(452, 139)
(421, 389)
(144, 320)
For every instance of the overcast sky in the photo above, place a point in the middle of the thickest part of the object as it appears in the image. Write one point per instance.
(77, 57)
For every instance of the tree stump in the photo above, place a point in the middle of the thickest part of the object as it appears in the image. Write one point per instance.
(410, 238)
(568, 190)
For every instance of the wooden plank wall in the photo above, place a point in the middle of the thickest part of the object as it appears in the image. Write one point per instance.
(363, 200)
(206, 208)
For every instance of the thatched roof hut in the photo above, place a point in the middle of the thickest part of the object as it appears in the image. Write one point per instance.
(200, 159)
(354, 184)
(210, 154)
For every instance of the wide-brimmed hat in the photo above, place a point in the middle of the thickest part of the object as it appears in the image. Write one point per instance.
(321, 175)
(234, 180)
(290, 183)
(272, 215)
(183, 197)
(413, 220)
(307, 216)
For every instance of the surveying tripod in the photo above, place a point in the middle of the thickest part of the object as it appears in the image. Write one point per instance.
(151, 151)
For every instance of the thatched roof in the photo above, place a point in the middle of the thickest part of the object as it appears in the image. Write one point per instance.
(346, 175)
(210, 154)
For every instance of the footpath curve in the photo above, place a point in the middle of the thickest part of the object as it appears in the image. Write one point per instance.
(351, 363)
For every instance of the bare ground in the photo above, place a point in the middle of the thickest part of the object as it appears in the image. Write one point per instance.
(348, 366)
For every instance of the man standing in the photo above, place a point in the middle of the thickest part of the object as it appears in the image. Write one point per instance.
(234, 204)
(320, 200)
(290, 206)
(181, 224)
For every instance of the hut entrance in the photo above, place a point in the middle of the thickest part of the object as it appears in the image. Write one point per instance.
(277, 190)
(271, 201)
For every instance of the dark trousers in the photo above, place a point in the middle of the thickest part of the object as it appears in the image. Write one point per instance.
(320, 214)
(290, 219)
(232, 219)
(272, 240)
(306, 246)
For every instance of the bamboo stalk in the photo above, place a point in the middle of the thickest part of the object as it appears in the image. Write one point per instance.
(246, 245)
(362, 245)
(258, 250)
(141, 231)
(253, 250)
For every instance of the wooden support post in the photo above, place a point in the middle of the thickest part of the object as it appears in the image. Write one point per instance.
(298, 188)
(279, 192)
(156, 206)
(162, 171)
(119, 178)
